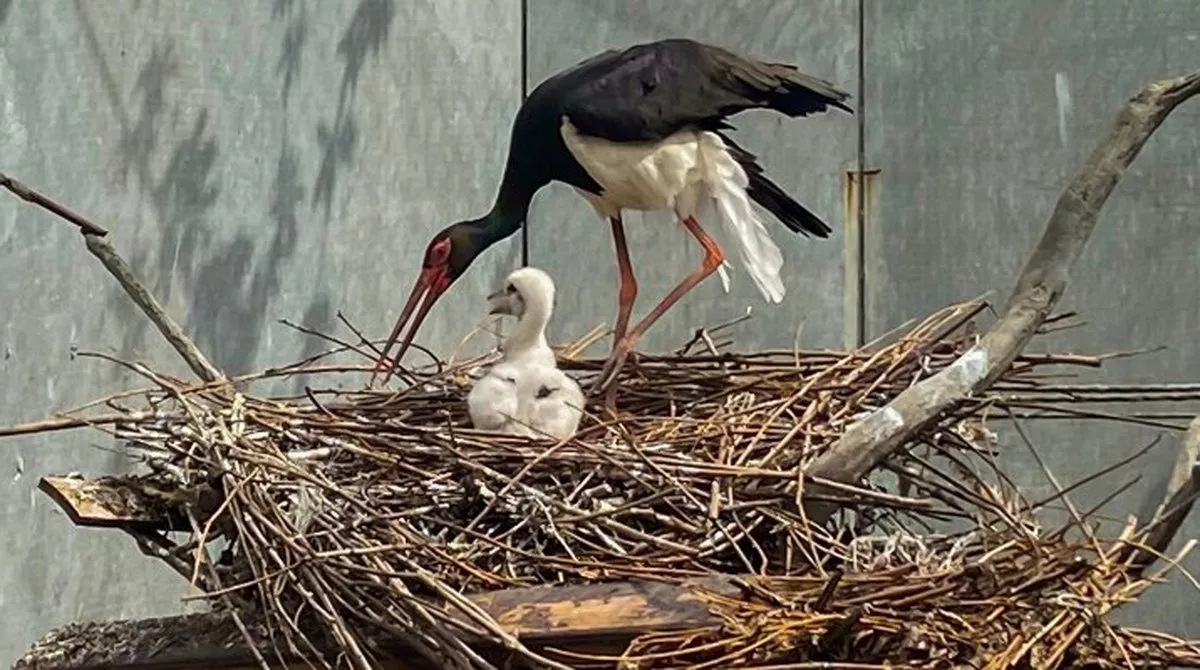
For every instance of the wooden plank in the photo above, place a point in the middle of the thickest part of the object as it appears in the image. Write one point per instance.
(117, 502)
(590, 619)
(599, 610)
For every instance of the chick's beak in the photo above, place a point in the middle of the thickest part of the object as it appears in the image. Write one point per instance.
(497, 304)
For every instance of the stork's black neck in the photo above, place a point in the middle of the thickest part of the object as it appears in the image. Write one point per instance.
(510, 208)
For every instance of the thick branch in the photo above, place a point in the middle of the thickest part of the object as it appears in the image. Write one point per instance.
(869, 441)
(119, 502)
(94, 236)
(1169, 503)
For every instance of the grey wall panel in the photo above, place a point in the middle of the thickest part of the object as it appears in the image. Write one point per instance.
(255, 161)
(290, 158)
(807, 157)
(980, 114)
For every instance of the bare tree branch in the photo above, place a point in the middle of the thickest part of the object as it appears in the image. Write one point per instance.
(95, 238)
(1169, 503)
(116, 265)
(29, 195)
(869, 441)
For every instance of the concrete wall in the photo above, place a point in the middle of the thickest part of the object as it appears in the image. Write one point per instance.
(286, 159)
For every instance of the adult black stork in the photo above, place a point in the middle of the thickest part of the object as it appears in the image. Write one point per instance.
(641, 129)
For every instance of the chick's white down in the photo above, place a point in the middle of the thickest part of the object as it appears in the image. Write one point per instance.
(525, 393)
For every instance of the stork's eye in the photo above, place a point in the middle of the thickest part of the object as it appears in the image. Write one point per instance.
(510, 289)
(440, 251)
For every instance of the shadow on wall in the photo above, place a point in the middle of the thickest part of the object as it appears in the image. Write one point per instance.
(364, 36)
(5, 5)
(292, 49)
(181, 197)
(231, 295)
(228, 286)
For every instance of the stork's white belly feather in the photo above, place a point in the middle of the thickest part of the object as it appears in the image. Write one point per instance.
(683, 173)
(643, 175)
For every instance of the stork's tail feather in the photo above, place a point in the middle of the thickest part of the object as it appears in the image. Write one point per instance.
(793, 215)
(728, 184)
(772, 198)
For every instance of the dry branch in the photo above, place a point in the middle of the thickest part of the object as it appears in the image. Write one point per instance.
(29, 195)
(869, 441)
(191, 354)
(643, 624)
(97, 244)
(591, 619)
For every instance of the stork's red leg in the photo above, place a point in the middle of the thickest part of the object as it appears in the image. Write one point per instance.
(627, 290)
(713, 257)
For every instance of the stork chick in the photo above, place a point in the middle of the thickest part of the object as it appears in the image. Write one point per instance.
(525, 393)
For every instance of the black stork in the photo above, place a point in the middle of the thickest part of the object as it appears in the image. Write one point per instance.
(641, 129)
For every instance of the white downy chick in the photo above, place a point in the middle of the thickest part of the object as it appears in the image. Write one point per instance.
(525, 393)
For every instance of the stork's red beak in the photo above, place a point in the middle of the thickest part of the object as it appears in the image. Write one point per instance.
(430, 285)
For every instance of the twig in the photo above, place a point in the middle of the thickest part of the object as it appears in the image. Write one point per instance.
(29, 195)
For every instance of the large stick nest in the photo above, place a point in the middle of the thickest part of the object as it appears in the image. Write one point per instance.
(339, 507)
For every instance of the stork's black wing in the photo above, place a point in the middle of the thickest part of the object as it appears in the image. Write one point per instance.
(650, 91)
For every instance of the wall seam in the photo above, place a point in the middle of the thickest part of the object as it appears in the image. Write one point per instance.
(524, 94)
(860, 192)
